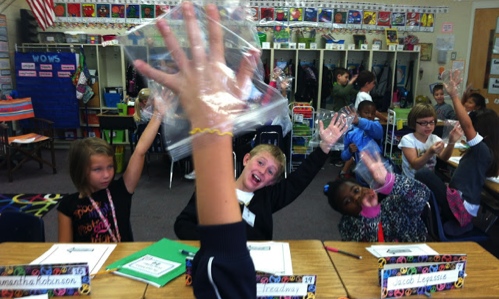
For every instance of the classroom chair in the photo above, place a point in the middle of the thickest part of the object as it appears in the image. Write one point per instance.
(433, 222)
(26, 143)
(21, 227)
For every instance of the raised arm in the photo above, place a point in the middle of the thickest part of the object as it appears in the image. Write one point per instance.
(461, 114)
(209, 92)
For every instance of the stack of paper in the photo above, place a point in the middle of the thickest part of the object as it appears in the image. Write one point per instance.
(93, 254)
(271, 257)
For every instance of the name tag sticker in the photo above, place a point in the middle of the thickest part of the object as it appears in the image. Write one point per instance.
(266, 45)
(313, 46)
(400, 47)
(60, 279)
(301, 45)
(351, 47)
(248, 216)
(285, 286)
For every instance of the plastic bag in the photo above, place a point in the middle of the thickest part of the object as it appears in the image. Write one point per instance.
(448, 126)
(259, 104)
(326, 116)
(362, 170)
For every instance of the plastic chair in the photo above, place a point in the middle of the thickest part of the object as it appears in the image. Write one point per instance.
(21, 227)
(431, 217)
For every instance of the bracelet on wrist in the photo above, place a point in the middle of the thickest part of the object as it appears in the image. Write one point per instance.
(209, 131)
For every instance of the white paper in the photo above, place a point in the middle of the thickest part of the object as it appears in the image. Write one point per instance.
(42, 296)
(26, 140)
(152, 266)
(271, 257)
(93, 254)
(401, 250)
(455, 159)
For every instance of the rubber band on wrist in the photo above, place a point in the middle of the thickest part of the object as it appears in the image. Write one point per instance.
(210, 131)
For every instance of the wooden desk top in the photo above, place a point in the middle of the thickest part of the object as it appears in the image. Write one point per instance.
(491, 186)
(360, 277)
(308, 257)
(102, 286)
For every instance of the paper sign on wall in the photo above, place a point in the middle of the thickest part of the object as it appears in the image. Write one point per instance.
(494, 86)
(494, 66)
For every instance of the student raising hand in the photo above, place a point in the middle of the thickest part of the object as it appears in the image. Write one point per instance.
(210, 93)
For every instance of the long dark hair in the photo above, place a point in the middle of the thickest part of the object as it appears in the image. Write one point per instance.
(486, 123)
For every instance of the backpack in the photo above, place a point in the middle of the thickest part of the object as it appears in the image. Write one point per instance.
(381, 93)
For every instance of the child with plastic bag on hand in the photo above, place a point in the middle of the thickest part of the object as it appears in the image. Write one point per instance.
(213, 99)
(366, 218)
(459, 201)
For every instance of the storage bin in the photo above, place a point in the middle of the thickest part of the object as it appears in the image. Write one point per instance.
(51, 37)
(402, 113)
(112, 99)
(76, 37)
(118, 136)
(91, 132)
(306, 41)
(91, 117)
(93, 39)
(122, 108)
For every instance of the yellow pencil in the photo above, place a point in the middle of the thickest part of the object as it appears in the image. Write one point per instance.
(105, 271)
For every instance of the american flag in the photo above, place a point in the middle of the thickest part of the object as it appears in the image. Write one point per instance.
(43, 11)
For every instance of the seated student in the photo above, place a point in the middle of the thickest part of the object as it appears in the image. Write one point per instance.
(100, 210)
(140, 115)
(259, 190)
(365, 129)
(365, 218)
(460, 201)
(421, 148)
(444, 111)
(473, 101)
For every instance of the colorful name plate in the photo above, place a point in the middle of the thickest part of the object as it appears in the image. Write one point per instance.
(56, 280)
(270, 286)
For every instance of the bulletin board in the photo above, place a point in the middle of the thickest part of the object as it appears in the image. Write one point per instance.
(46, 78)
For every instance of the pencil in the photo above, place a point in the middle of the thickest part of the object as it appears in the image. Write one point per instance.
(105, 271)
(343, 252)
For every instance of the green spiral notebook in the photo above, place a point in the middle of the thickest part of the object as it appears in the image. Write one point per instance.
(156, 264)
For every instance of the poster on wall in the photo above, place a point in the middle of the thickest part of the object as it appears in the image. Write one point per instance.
(37, 75)
(493, 86)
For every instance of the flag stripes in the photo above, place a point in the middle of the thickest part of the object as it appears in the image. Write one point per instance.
(43, 10)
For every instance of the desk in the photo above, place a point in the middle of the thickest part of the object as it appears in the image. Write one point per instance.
(360, 277)
(308, 257)
(490, 185)
(103, 286)
(113, 122)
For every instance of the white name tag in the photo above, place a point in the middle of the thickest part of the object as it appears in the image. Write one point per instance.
(248, 216)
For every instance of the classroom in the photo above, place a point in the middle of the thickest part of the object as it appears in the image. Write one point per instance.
(418, 56)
